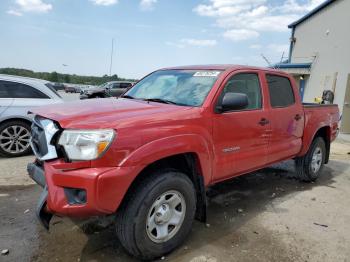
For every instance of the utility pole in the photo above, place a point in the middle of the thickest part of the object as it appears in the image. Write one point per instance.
(110, 67)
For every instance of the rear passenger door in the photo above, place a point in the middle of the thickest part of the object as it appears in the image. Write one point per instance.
(286, 118)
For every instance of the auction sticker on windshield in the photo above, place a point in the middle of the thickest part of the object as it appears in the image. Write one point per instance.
(207, 73)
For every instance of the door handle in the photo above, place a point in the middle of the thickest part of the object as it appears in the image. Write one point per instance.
(263, 122)
(297, 117)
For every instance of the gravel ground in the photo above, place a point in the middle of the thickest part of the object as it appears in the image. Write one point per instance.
(263, 216)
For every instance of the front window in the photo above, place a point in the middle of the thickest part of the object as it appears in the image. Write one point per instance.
(181, 87)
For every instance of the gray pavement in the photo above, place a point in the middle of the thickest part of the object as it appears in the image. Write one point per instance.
(264, 216)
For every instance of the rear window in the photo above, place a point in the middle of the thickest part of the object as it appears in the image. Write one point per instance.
(18, 90)
(281, 91)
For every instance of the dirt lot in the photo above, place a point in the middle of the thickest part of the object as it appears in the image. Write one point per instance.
(264, 216)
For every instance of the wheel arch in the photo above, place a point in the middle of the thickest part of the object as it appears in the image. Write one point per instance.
(187, 163)
(323, 132)
(23, 119)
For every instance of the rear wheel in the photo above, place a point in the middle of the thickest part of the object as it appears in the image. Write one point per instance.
(310, 165)
(14, 138)
(158, 215)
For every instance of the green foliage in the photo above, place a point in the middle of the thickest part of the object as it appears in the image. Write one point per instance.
(67, 78)
(53, 77)
(62, 78)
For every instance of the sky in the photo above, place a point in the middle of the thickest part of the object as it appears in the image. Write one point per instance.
(75, 36)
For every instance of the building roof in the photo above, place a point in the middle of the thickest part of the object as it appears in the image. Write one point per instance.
(311, 13)
(292, 65)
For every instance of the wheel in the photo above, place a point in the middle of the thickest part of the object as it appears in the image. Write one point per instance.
(309, 166)
(14, 138)
(158, 215)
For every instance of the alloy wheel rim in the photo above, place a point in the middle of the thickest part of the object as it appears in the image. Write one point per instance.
(316, 160)
(15, 139)
(165, 216)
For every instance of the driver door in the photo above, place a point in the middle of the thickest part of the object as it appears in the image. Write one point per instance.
(240, 136)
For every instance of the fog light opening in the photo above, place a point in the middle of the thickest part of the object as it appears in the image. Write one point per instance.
(75, 196)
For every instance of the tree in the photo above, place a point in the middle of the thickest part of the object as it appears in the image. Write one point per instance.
(56, 77)
(114, 77)
(66, 78)
(53, 77)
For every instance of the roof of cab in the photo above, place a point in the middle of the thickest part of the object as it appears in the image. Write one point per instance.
(223, 67)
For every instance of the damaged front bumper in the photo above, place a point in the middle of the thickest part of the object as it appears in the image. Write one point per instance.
(36, 172)
(79, 191)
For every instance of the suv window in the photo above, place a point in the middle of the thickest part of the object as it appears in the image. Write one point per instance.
(18, 90)
(125, 85)
(281, 91)
(245, 83)
(116, 85)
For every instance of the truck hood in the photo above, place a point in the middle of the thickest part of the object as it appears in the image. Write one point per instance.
(103, 113)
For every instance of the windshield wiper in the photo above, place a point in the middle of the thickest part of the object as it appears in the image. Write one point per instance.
(164, 101)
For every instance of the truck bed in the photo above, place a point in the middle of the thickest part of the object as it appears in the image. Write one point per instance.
(306, 105)
(319, 115)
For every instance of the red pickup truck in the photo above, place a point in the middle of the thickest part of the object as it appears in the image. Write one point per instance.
(149, 156)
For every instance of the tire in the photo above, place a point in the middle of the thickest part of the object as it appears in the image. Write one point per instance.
(144, 204)
(309, 166)
(14, 138)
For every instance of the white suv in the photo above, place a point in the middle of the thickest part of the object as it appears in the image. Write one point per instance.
(17, 96)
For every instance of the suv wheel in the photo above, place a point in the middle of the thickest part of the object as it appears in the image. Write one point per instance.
(14, 139)
(158, 215)
(310, 165)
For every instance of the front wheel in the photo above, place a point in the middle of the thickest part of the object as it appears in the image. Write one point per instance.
(311, 164)
(157, 217)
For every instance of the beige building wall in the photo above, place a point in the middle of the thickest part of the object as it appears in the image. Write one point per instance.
(324, 40)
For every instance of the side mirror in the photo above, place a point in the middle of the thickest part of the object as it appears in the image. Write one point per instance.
(233, 101)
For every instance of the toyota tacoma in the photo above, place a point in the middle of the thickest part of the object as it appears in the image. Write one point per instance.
(149, 156)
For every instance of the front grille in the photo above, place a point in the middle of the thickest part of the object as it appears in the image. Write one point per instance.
(39, 143)
(42, 133)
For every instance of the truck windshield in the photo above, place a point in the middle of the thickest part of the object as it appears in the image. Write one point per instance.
(180, 87)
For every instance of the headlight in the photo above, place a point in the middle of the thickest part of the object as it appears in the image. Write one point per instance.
(86, 144)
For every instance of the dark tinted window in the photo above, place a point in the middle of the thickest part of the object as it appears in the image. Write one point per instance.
(115, 85)
(281, 91)
(17, 90)
(245, 83)
(125, 85)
